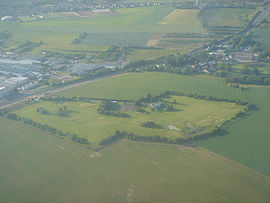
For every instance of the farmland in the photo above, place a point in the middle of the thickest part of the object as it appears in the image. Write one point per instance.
(247, 139)
(190, 117)
(60, 32)
(261, 35)
(48, 169)
(138, 85)
(225, 21)
(225, 17)
(184, 18)
(117, 39)
(129, 101)
(250, 132)
(125, 27)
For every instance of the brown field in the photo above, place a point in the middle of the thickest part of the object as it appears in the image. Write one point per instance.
(154, 40)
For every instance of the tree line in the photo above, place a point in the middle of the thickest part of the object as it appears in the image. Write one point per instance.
(249, 79)
(178, 64)
(50, 129)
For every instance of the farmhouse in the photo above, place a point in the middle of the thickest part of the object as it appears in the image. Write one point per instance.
(155, 105)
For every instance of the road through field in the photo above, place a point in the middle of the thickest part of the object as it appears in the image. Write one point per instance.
(56, 90)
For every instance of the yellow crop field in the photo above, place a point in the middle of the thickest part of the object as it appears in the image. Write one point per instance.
(182, 17)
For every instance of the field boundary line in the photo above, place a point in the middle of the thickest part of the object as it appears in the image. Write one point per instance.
(234, 162)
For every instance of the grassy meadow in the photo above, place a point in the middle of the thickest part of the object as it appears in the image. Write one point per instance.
(137, 85)
(225, 17)
(247, 140)
(46, 168)
(191, 117)
(261, 35)
(117, 39)
(146, 54)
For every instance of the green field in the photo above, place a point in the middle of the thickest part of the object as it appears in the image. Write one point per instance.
(191, 117)
(36, 168)
(117, 39)
(248, 139)
(147, 54)
(261, 35)
(58, 33)
(136, 85)
(225, 17)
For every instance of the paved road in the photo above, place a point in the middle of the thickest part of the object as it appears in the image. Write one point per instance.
(25, 98)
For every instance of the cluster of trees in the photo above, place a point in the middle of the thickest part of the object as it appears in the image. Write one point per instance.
(65, 99)
(113, 53)
(118, 135)
(209, 98)
(152, 98)
(80, 38)
(167, 94)
(64, 112)
(27, 46)
(141, 110)
(69, 56)
(250, 70)
(249, 79)
(178, 64)
(151, 124)
(99, 71)
(164, 107)
(240, 41)
(45, 127)
(43, 111)
(250, 74)
(80, 140)
(110, 108)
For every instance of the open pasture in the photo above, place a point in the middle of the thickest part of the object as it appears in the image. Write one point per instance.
(117, 39)
(190, 117)
(247, 140)
(136, 85)
(146, 54)
(48, 169)
(225, 17)
(261, 35)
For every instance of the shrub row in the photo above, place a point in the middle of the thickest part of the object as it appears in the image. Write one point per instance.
(45, 127)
